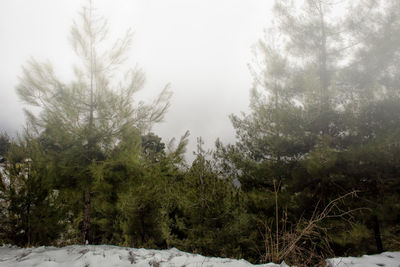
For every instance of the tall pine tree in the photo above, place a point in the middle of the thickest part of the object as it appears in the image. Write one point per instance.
(81, 122)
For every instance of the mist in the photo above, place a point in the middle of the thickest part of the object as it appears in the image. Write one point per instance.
(292, 109)
(201, 48)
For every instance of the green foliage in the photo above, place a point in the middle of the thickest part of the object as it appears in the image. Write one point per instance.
(142, 213)
(28, 200)
(4, 143)
(205, 217)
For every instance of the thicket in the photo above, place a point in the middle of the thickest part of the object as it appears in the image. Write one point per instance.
(314, 171)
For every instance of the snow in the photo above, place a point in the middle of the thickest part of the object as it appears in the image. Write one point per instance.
(104, 255)
(386, 259)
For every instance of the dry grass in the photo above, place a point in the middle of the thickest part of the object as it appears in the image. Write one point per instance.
(305, 243)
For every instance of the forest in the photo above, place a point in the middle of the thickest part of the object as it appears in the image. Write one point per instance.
(314, 171)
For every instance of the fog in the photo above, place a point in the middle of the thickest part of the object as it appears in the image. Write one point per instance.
(202, 48)
(313, 171)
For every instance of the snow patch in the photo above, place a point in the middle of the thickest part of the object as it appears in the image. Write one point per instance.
(105, 255)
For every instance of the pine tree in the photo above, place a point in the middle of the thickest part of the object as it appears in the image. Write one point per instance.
(83, 121)
(319, 99)
(204, 217)
(293, 99)
(150, 197)
(372, 84)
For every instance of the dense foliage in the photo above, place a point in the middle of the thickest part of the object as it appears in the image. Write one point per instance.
(315, 171)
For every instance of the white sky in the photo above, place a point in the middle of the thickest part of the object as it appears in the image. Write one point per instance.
(201, 47)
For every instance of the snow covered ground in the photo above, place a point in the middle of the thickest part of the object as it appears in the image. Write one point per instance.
(85, 256)
(386, 259)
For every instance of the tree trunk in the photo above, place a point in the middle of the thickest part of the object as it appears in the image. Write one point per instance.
(28, 212)
(377, 234)
(86, 216)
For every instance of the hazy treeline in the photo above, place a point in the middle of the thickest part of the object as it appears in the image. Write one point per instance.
(315, 170)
